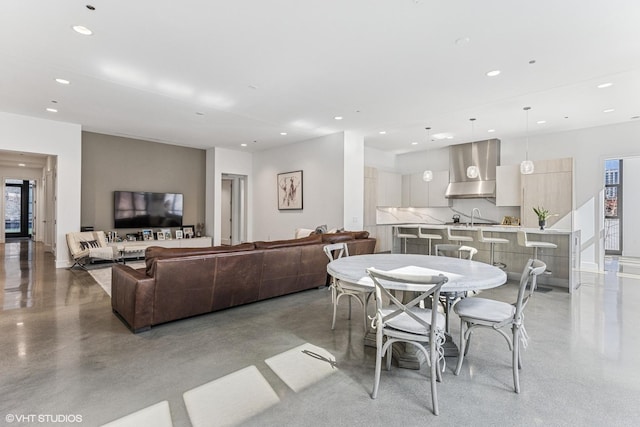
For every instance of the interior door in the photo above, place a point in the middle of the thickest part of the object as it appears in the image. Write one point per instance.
(226, 234)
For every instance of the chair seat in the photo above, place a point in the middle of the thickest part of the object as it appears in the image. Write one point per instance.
(531, 244)
(494, 240)
(407, 236)
(430, 236)
(404, 322)
(484, 309)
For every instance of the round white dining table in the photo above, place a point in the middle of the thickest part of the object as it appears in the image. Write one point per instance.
(463, 275)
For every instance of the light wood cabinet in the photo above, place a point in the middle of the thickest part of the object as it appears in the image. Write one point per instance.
(551, 187)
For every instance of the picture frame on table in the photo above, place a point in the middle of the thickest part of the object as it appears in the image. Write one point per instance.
(289, 188)
(147, 234)
(179, 234)
(160, 235)
(187, 230)
(166, 232)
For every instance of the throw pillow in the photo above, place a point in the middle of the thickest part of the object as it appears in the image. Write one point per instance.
(84, 245)
(94, 243)
(321, 229)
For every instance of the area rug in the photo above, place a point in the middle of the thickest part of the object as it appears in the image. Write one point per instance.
(103, 275)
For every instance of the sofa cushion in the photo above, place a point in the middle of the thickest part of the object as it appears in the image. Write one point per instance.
(344, 236)
(156, 252)
(310, 240)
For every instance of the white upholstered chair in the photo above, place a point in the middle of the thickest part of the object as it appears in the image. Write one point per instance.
(477, 312)
(405, 234)
(86, 246)
(525, 242)
(340, 288)
(458, 238)
(492, 241)
(407, 322)
(429, 237)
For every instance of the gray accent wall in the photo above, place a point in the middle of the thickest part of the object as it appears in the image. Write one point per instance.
(111, 163)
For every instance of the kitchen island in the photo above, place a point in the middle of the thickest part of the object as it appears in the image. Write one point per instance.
(561, 261)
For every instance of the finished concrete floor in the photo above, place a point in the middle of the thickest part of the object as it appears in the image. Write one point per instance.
(64, 352)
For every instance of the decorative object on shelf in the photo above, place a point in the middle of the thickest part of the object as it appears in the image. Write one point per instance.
(427, 175)
(290, 190)
(526, 167)
(543, 215)
(166, 232)
(179, 234)
(187, 230)
(147, 234)
(160, 235)
(472, 171)
(199, 229)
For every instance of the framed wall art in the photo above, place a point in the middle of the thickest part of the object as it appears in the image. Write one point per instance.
(290, 190)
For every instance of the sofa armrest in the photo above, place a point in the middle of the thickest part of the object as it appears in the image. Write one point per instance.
(132, 296)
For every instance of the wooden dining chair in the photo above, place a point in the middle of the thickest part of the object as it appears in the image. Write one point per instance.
(407, 322)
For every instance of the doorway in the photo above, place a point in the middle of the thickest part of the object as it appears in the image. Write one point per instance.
(19, 198)
(613, 209)
(233, 200)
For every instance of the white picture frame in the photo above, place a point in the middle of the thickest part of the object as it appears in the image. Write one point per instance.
(179, 234)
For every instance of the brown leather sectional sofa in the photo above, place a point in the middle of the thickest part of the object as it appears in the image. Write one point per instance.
(184, 282)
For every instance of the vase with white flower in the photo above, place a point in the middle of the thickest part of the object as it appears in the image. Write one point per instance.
(543, 215)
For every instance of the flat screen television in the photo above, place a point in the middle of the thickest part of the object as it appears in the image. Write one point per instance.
(137, 209)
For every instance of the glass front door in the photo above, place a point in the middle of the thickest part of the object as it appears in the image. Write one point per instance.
(613, 207)
(18, 208)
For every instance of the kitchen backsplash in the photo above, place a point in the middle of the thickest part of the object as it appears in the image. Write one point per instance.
(488, 213)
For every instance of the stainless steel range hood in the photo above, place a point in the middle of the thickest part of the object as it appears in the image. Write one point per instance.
(483, 154)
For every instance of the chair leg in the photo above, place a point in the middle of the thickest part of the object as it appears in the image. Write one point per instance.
(434, 375)
(376, 380)
(349, 307)
(516, 358)
(334, 299)
(463, 347)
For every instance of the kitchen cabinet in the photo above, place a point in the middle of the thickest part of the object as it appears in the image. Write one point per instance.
(417, 193)
(508, 187)
(549, 186)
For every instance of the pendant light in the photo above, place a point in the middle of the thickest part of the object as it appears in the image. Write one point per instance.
(472, 171)
(526, 167)
(427, 175)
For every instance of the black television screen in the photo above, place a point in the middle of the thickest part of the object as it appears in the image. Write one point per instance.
(136, 209)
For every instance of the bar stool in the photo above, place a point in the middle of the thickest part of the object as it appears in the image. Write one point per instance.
(492, 241)
(406, 236)
(429, 237)
(458, 238)
(523, 241)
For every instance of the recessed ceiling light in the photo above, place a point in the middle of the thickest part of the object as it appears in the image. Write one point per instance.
(449, 137)
(382, 132)
(493, 73)
(199, 113)
(533, 61)
(283, 133)
(635, 117)
(338, 117)
(604, 85)
(21, 165)
(53, 101)
(91, 7)
(608, 110)
(541, 122)
(63, 81)
(462, 41)
(80, 29)
(414, 143)
(491, 130)
(52, 110)
(253, 87)
(243, 145)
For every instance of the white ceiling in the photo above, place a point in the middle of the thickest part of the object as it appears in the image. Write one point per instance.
(256, 68)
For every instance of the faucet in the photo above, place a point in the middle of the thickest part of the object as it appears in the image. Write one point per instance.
(472, 214)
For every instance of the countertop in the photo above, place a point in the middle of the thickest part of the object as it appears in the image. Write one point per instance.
(483, 227)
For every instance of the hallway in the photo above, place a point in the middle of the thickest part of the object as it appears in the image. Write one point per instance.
(64, 352)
